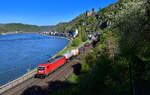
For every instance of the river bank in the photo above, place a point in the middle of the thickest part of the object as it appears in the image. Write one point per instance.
(19, 33)
(46, 57)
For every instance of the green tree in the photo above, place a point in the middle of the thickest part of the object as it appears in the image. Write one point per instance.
(82, 34)
(76, 42)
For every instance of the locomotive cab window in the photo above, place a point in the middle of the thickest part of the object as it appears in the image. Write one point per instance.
(41, 68)
(50, 60)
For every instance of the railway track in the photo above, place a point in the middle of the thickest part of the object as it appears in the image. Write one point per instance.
(39, 82)
(60, 74)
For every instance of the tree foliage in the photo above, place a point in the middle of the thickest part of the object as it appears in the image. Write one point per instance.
(76, 42)
(105, 70)
(82, 34)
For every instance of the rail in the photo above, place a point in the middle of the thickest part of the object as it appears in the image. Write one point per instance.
(17, 81)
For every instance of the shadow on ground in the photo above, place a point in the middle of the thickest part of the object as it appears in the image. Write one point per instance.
(52, 86)
(76, 68)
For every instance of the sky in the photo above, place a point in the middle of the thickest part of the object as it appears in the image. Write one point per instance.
(46, 12)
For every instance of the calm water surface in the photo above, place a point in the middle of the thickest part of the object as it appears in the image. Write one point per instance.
(21, 52)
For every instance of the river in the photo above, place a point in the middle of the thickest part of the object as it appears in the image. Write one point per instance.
(20, 53)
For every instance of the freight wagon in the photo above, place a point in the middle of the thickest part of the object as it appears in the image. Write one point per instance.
(71, 53)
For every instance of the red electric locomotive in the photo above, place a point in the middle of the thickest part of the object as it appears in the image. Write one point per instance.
(44, 69)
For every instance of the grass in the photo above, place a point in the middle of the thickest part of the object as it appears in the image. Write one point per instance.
(73, 78)
(146, 59)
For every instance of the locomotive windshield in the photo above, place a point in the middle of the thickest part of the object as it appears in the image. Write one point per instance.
(50, 60)
(41, 68)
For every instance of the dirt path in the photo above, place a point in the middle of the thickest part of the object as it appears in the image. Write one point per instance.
(35, 86)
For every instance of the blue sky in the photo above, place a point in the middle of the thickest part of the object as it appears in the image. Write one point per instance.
(46, 12)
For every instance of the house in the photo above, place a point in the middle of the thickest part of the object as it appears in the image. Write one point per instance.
(75, 33)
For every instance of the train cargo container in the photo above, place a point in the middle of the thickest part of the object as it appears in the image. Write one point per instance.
(44, 69)
(71, 53)
(75, 52)
(68, 55)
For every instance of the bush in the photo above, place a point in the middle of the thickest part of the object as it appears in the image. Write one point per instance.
(73, 78)
(85, 67)
(76, 42)
(84, 37)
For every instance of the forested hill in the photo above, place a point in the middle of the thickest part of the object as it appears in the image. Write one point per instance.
(47, 28)
(13, 27)
(104, 17)
(120, 62)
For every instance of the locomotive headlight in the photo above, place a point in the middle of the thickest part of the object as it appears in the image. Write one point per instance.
(41, 71)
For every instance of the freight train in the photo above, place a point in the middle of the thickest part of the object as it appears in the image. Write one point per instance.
(45, 69)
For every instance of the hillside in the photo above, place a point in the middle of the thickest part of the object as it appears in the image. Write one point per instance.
(120, 62)
(68, 26)
(13, 27)
(104, 17)
(46, 28)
